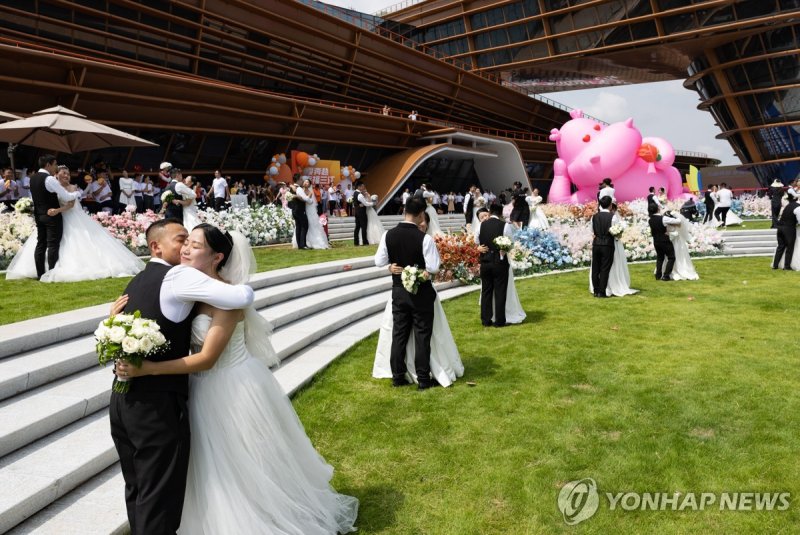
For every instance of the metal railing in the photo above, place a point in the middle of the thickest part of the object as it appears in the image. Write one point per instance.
(397, 7)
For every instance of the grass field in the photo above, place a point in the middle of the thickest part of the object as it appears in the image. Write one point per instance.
(684, 387)
(25, 299)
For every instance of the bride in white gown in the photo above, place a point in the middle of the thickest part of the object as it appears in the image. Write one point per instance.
(514, 311)
(619, 278)
(374, 226)
(316, 237)
(185, 190)
(87, 250)
(433, 227)
(538, 219)
(252, 468)
(446, 363)
(680, 237)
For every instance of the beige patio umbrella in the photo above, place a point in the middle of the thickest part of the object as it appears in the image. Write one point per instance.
(8, 116)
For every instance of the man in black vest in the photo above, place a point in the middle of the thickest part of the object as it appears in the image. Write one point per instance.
(360, 202)
(787, 233)
(469, 204)
(602, 247)
(494, 269)
(298, 206)
(46, 192)
(661, 242)
(403, 246)
(775, 194)
(174, 210)
(150, 424)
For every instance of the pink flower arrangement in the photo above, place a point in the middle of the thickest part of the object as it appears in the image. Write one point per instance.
(128, 227)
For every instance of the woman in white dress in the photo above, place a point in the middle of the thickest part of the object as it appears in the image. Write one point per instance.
(514, 311)
(374, 226)
(538, 219)
(87, 250)
(433, 228)
(186, 191)
(446, 363)
(316, 237)
(478, 203)
(252, 468)
(730, 219)
(680, 236)
(127, 190)
(619, 278)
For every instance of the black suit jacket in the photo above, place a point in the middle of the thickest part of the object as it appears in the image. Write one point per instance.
(491, 229)
(601, 222)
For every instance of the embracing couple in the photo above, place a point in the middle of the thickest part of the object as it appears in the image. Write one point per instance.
(221, 451)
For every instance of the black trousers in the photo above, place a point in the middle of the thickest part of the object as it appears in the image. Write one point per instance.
(219, 203)
(301, 228)
(602, 259)
(148, 202)
(49, 231)
(361, 224)
(721, 214)
(468, 217)
(412, 312)
(709, 213)
(494, 285)
(664, 249)
(776, 211)
(786, 238)
(151, 433)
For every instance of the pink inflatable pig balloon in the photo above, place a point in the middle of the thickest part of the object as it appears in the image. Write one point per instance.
(588, 152)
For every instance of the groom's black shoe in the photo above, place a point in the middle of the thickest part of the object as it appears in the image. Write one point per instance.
(666, 278)
(501, 324)
(486, 324)
(424, 385)
(400, 382)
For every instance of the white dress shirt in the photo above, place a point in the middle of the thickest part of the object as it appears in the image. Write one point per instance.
(184, 191)
(364, 200)
(467, 197)
(52, 185)
(220, 185)
(725, 197)
(24, 185)
(607, 191)
(183, 286)
(406, 195)
(301, 193)
(670, 220)
(508, 230)
(429, 251)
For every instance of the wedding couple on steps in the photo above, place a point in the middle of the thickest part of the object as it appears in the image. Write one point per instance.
(221, 450)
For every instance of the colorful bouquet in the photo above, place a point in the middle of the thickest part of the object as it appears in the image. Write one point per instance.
(127, 337)
(459, 258)
(24, 206)
(616, 230)
(412, 277)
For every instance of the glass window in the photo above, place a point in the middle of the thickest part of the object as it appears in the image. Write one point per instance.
(535, 29)
(48, 10)
(643, 30)
(513, 12)
(738, 78)
(750, 108)
(481, 41)
(517, 33)
(212, 153)
(552, 5)
(150, 157)
(495, 16)
(780, 39)
(752, 46)
(498, 37)
(723, 116)
(478, 21)
(759, 74)
(725, 53)
(721, 16)
(621, 34)
(747, 10)
(530, 7)
(565, 44)
(790, 101)
(678, 23)
(768, 105)
(785, 69)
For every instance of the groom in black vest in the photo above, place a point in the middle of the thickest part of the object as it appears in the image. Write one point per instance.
(150, 424)
(174, 209)
(406, 245)
(45, 192)
(661, 242)
(298, 206)
(494, 269)
(602, 247)
(787, 233)
(360, 203)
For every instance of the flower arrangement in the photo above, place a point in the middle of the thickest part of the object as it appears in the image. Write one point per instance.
(129, 228)
(24, 205)
(503, 243)
(262, 224)
(546, 251)
(128, 337)
(616, 230)
(167, 197)
(15, 228)
(412, 277)
(459, 258)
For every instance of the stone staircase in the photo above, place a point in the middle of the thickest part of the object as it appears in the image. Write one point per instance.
(749, 242)
(341, 228)
(58, 465)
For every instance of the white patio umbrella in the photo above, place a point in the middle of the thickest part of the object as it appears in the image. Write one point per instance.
(63, 130)
(8, 116)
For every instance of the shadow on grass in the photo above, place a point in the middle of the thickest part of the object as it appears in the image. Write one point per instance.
(477, 367)
(534, 316)
(378, 506)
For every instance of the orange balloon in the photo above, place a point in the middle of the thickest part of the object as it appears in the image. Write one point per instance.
(648, 153)
(302, 159)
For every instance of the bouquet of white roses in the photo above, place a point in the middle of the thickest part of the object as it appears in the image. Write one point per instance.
(503, 243)
(374, 198)
(128, 337)
(480, 201)
(412, 277)
(24, 205)
(167, 197)
(289, 196)
(616, 230)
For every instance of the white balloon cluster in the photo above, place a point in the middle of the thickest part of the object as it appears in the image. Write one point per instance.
(350, 172)
(275, 163)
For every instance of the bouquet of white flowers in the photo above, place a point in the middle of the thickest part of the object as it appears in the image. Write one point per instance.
(480, 201)
(128, 337)
(374, 198)
(289, 196)
(503, 243)
(24, 205)
(616, 230)
(412, 277)
(167, 197)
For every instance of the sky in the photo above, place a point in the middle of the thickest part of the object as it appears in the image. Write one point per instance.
(662, 109)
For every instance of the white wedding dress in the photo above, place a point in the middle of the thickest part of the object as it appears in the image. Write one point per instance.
(514, 311)
(375, 228)
(434, 227)
(87, 252)
(538, 219)
(619, 278)
(680, 237)
(316, 238)
(190, 217)
(446, 363)
(252, 468)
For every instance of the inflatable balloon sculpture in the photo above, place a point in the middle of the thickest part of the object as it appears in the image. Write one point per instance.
(588, 152)
(349, 172)
(275, 164)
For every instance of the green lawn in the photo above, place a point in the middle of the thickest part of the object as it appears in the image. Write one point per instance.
(687, 386)
(25, 299)
(751, 225)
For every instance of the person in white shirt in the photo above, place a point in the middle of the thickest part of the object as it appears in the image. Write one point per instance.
(725, 197)
(24, 184)
(127, 190)
(413, 115)
(459, 202)
(102, 194)
(606, 190)
(138, 192)
(333, 197)
(348, 197)
(221, 191)
(10, 185)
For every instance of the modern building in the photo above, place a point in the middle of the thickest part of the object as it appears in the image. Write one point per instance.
(225, 84)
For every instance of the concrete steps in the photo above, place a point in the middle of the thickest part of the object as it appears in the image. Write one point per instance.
(341, 228)
(57, 461)
(749, 242)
